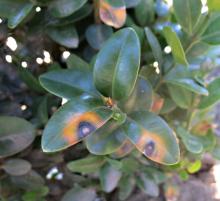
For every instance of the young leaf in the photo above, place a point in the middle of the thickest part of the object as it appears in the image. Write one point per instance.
(16, 134)
(109, 178)
(213, 5)
(64, 8)
(115, 72)
(153, 137)
(214, 95)
(187, 13)
(64, 35)
(155, 46)
(86, 165)
(176, 46)
(68, 83)
(194, 167)
(112, 13)
(74, 121)
(106, 140)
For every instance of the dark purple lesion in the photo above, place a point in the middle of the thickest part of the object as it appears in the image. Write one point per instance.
(149, 148)
(84, 129)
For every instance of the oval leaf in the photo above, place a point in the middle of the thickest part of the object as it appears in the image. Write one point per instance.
(117, 64)
(124, 149)
(16, 134)
(112, 13)
(64, 8)
(16, 167)
(68, 83)
(153, 137)
(176, 46)
(106, 139)
(72, 122)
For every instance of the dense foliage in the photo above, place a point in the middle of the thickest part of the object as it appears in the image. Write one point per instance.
(131, 83)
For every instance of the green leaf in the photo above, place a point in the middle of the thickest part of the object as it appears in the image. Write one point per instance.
(115, 72)
(212, 33)
(153, 137)
(183, 101)
(28, 78)
(155, 46)
(213, 5)
(64, 8)
(214, 95)
(109, 177)
(130, 165)
(168, 106)
(77, 193)
(191, 142)
(144, 12)
(86, 165)
(106, 140)
(75, 62)
(131, 3)
(42, 111)
(189, 84)
(176, 46)
(194, 167)
(16, 134)
(126, 186)
(74, 121)
(97, 34)
(187, 13)
(68, 83)
(64, 35)
(16, 166)
(148, 185)
(114, 163)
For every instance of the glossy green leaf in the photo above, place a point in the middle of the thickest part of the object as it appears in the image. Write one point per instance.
(115, 72)
(86, 165)
(176, 46)
(74, 121)
(97, 34)
(153, 137)
(212, 33)
(148, 185)
(194, 167)
(214, 95)
(112, 13)
(140, 99)
(16, 134)
(131, 3)
(68, 83)
(213, 5)
(106, 140)
(16, 166)
(109, 177)
(64, 8)
(187, 13)
(189, 84)
(64, 35)
(144, 12)
(191, 142)
(183, 101)
(126, 186)
(155, 46)
(75, 62)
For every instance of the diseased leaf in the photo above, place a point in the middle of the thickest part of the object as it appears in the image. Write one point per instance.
(112, 13)
(115, 72)
(187, 13)
(74, 121)
(123, 150)
(86, 165)
(214, 95)
(64, 8)
(153, 137)
(16, 134)
(176, 46)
